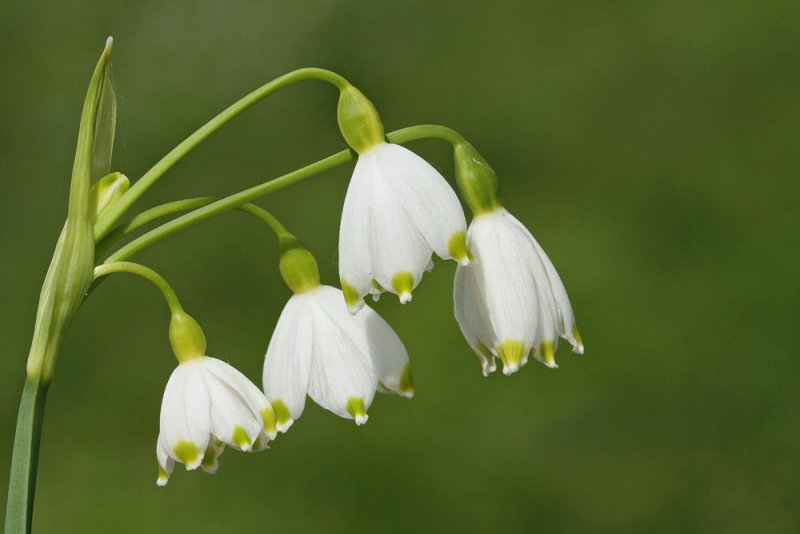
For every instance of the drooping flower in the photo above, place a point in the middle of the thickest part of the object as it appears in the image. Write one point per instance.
(207, 405)
(397, 212)
(338, 359)
(510, 301)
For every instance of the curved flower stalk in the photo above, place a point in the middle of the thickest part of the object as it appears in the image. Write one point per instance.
(510, 300)
(322, 351)
(207, 405)
(398, 211)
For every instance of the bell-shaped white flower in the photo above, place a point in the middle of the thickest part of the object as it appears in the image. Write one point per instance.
(208, 404)
(398, 210)
(510, 301)
(338, 359)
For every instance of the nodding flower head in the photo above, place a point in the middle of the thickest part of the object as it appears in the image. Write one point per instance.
(207, 405)
(510, 300)
(397, 212)
(339, 360)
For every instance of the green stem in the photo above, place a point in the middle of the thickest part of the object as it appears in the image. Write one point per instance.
(241, 198)
(176, 206)
(19, 511)
(146, 273)
(229, 203)
(113, 213)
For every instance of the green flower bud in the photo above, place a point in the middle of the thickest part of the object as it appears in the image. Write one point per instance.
(298, 267)
(477, 180)
(187, 338)
(106, 191)
(359, 122)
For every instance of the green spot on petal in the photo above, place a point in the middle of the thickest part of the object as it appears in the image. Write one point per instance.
(241, 438)
(457, 247)
(483, 349)
(282, 415)
(406, 381)
(511, 353)
(377, 286)
(268, 416)
(355, 407)
(187, 452)
(577, 336)
(403, 283)
(163, 476)
(547, 353)
(209, 463)
(351, 297)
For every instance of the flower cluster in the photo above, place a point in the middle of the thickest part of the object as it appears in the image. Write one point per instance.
(329, 345)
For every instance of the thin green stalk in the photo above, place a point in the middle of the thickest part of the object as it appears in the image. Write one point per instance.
(241, 198)
(177, 206)
(229, 203)
(113, 214)
(145, 272)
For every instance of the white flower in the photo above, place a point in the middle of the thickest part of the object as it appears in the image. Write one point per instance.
(319, 349)
(398, 210)
(510, 300)
(208, 404)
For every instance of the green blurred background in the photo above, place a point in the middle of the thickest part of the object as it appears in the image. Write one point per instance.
(652, 147)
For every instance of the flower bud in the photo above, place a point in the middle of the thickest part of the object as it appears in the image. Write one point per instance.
(106, 191)
(298, 266)
(186, 336)
(358, 120)
(477, 180)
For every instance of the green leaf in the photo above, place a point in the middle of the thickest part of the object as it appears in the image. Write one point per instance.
(105, 127)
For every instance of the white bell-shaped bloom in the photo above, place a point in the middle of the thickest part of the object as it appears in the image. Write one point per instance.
(338, 359)
(208, 404)
(510, 300)
(398, 210)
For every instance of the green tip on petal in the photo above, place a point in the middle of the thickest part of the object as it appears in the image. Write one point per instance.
(457, 248)
(268, 416)
(578, 341)
(210, 463)
(377, 286)
(548, 355)
(163, 477)
(407, 382)
(282, 416)
(403, 284)
(486, 358)
(188, 453)
(351, 297)
(355, 407)
(511, 353)
(241, 438)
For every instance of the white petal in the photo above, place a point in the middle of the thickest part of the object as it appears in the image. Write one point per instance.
(502, 272)
(425, 195)
(355, 266)
(341, 375)
(254, 398)
(387, 353)
(165, 463)
(554, 293)
(185, 411)
(288, 360)
(472, 316)
(232, 420)
(396, 245)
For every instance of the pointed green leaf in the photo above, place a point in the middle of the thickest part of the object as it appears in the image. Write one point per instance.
(105, 126)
